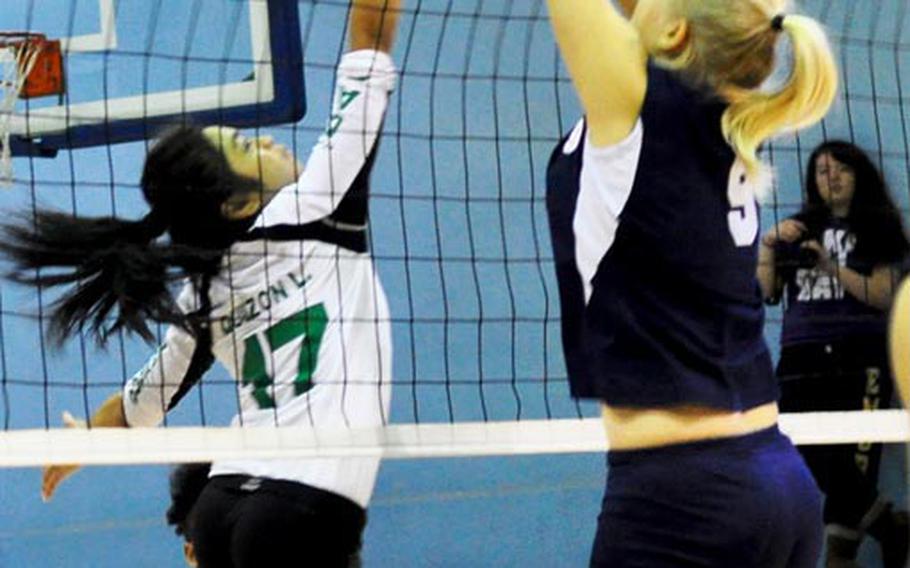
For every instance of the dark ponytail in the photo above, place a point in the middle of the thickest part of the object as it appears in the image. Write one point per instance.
(112, 264)
(121, 269)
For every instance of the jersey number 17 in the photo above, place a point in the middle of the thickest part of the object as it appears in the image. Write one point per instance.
(310, 325)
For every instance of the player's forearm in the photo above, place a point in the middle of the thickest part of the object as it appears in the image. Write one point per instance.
(374, 23)
(110, 413)
(766, 272)
(876, 290)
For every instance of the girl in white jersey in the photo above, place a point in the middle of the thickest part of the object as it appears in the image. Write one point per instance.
(280, 289)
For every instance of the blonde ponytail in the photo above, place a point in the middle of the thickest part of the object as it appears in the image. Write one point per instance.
(755, 116)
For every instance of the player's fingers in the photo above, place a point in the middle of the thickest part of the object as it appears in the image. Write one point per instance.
(71, 421)
(49, 480)
(52, 477)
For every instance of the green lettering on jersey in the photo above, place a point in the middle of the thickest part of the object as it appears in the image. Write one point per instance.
(309, 324)
(138, 381)
(345, 98)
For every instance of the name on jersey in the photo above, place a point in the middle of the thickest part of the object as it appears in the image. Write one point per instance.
(137, 383)
(262, 301)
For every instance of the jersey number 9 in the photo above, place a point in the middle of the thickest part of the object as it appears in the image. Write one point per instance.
(743, 216)
(309, 324)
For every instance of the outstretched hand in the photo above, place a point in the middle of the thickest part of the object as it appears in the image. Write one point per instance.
(52, 475)
(109, 415)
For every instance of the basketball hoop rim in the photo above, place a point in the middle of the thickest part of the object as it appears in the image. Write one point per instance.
(25, 45)
(18, 40)
(9, 36)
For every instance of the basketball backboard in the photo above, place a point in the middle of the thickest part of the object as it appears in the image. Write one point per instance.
(133, 66)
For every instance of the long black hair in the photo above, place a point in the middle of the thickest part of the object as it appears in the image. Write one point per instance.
(121, 268)
(873, 216)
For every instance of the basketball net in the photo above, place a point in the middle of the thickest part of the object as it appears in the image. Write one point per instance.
(16, 62)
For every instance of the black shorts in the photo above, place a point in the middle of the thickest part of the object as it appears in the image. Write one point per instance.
(246, 522)
(842, 375)
(846, 375)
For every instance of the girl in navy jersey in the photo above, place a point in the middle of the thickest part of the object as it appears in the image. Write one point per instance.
(279, 287)
(837, 262)
(655, 231)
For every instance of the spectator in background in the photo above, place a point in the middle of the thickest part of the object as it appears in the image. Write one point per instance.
(186, 483)
(837, 263)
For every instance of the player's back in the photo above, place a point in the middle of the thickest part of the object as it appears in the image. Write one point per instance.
(655, 246)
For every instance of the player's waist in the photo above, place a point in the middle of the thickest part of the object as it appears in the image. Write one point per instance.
(310, 480)
(637, 428)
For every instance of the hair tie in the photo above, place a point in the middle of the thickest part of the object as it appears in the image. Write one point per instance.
(777, 23)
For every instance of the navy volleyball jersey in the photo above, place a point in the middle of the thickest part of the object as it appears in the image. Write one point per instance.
(656, 242)
(818, 309)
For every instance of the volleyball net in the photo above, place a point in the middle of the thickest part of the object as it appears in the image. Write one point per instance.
(458, 225)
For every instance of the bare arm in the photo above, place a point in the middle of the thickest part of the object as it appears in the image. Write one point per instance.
(108, 415)
(373, 24)
(899, 342)
(767, 272)
(607, 63)
(876, 290)
(788, 231)
(147, 396)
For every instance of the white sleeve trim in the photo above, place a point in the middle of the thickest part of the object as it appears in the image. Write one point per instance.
(147, 395)
(607, 176)
(365, 79)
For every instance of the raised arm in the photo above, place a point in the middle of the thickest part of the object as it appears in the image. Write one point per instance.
(373, 24)
(365, 79)
(607, 62)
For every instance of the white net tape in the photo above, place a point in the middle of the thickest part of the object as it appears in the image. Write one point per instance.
(184, 444)
(15, 70)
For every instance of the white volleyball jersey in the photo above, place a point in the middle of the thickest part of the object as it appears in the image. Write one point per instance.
(302, 325)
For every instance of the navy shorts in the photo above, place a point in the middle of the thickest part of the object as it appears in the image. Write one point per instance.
(747, 501)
